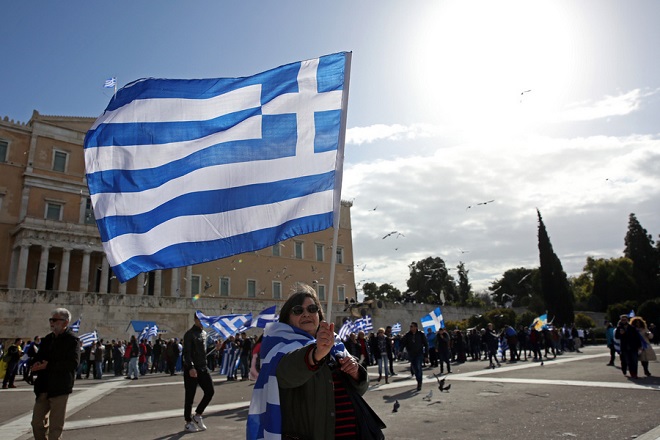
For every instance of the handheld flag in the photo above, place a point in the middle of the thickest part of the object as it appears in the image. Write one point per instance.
(226, 325)
(631, 314)
(539, 323)
(75, 327)
(363, 324)
(263, 318)
(143, 333)
(433, 320)
(345, 330)
(396, 328)
(89, 338)
(182, 172)
(153, 332)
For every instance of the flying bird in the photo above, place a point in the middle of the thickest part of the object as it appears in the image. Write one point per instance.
(485, 203)
(429, 396)
(396, 406)
(441, 384)
(375, 208)
(387, 235)
(523, 92)
(523, 278)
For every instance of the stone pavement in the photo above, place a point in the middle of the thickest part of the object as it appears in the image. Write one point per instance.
(573, 396)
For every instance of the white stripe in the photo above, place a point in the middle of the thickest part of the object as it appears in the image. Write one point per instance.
(177, 109)
(212, 178)
(202, 228)
(134, 157)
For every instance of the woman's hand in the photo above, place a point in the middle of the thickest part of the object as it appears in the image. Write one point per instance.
(325, 339)
(350, 366)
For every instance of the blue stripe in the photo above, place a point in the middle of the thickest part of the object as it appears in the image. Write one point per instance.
(213, 202)
(148, 133)
(184, 254)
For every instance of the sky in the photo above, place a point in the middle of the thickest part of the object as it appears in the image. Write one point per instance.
(464, 117)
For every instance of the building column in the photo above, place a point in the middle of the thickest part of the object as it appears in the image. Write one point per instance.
(105, 271)
(43, 267)
(64, 270)
(158, 283)
(22, 266)
(84, 271)
(140, 283)
(188, 281)
(174, 284)
(13, 267)
(122, 288)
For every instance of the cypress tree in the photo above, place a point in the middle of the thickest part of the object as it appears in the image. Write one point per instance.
(556, 292)
(646, 262)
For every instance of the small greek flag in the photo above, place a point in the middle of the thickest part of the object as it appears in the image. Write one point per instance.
(396, 328)
(89, 338)
(75, 327)
(110, 83)
(345, 330)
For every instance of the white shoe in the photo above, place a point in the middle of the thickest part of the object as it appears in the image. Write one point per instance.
(191, 427)
(197, 420)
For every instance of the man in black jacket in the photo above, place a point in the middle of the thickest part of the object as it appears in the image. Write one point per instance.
(195, 372)
(417, 346)
(631, 344)
(55, 366)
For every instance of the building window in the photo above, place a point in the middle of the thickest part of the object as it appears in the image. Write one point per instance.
(89, 212)
(320, 289)
(53, 211)
(251, 288)
(340, 255)
(298, 251)
(2, 199)
(224, 286)
(59, 160)
(195, 285)
(341, 293)
(277, 289)
(4, 150)
(276, 250)
(319, 252)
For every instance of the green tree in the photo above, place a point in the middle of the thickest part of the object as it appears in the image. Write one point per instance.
(584, 321)
(650, 311)
(646, 263)
(612, 281)
(614, 311)
(500, 318)
(555, 289)
(385, 292)
(430, 282)
(517, 286)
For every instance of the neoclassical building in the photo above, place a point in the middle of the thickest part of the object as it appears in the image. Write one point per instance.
(49, 240)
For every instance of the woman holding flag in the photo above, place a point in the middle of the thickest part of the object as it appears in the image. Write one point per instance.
(313, 375)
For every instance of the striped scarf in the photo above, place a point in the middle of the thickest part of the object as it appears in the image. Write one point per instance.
(265, 417)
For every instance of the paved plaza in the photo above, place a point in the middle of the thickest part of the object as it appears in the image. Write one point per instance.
(575, 396)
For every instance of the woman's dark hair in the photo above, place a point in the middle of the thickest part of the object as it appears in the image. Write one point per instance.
(299, 292)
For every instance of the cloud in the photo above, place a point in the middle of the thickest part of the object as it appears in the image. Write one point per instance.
(619, 105)
(372, 133)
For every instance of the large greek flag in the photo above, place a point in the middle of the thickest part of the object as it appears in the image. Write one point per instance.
(433, 320)
(182, 172)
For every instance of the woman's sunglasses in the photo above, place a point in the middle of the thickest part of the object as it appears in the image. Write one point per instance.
(298, 310)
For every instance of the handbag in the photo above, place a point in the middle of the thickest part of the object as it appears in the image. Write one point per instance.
(370, 426)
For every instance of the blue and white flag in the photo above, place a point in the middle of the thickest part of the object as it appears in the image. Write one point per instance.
(264, 416)
(226, 325)
(153, 332)
(433, 320)
(89, 338)
(110, 83)
(143, 334)
(540, 323)
(363, 324)
(182, 172)
(265, 317)
(396, 328)
(631, 314)
(75, 327)
(345, 330)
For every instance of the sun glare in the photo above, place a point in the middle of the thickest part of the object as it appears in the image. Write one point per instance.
(493, 70)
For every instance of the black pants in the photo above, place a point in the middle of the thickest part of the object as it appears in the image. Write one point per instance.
(205, 382)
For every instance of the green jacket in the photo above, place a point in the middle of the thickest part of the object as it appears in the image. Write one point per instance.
(307, 398)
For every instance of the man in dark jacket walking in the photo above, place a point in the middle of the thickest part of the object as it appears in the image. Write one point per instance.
(416, 345)
(195, 372)
(55, 366)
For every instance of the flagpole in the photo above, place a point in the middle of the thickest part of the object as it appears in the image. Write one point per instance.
(339, 170)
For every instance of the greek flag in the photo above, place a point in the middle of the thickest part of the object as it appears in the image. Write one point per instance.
(226, 325)
(182, 172)
(143, 334)
(363, 324)
(265, 417)
(539, 323)
(110, 83)
(89, 338)
(433, 320)
(266, 316)
(345, 330)
(631, 314)
(396, 328)
(75, 327)
(153, 332)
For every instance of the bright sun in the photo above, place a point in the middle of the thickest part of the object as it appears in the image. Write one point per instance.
(474, 62)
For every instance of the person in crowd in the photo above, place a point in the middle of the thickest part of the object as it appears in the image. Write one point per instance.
(142, 359)
(107, 356)
(390, 348)
(314, 376)
(117, 357)
(353, 346)
(171, 355)
(630, 343)
(246, 354)
(30, 352)
(490, 338)
(433, 352)
(195, 372)
(156, 352)
(474, 339)
(379, 350)
(12, 357)
(647, 353)
(133, 355)
(364, 349)
(255, 366)
(55, 367)
(443, 342)
(416, 345)
(609, 338)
